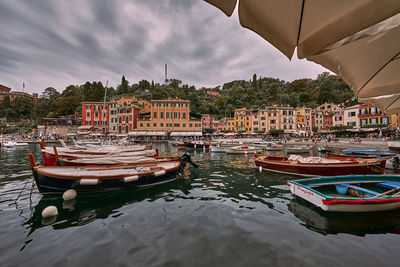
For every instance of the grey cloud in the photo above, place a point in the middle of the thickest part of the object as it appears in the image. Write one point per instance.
(57, 43)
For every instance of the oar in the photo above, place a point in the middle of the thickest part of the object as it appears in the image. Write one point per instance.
(387, 192)
(354, 182)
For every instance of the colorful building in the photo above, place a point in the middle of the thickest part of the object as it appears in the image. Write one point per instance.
(171, 115)
(96, 115)
(6, 91)
(338, 119)
(318, 119)
(304, 120)
(123, 115)
(369, 115)
(350, 116)
(206, 121)
(328, 107)
(287, 119)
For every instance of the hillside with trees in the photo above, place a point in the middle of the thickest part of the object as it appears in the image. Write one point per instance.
(254, 93)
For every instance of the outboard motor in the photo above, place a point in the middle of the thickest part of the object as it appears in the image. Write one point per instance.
(185, 158)
(396, 163)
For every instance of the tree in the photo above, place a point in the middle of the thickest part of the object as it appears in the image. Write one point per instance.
(23, 107)
(123, 88)
(50, 93)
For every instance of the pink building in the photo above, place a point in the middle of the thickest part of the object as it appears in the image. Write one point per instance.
(206, 121)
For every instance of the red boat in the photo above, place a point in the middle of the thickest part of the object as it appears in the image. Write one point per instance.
(316, 166)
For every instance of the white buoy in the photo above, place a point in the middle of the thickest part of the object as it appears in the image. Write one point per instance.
(50, 211)
(260, 169)
(69, 194)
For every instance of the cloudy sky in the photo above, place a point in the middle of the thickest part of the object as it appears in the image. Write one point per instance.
(58, 43)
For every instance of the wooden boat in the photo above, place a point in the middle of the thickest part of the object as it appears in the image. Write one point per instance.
(352, 193)
(196, 144)
(299, 149)
(368, 152)
(316, 166)
(97, 178)
(49, 154)
(242, 150)
(335, 155)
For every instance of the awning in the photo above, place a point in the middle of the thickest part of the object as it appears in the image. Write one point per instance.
(186, 134)
(230, 134)
(85, 127)
(147, 133)
(358, 39)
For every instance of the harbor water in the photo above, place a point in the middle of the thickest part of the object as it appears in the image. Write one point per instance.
(225, 213)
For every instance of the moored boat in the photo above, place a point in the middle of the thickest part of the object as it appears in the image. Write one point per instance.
(242, 150)
(98, 178)
(196, 144)
(357, 152)
(297, 149)
(271, 146)
(217, 148)
(316, 166)
(394, 145)
(352, 193)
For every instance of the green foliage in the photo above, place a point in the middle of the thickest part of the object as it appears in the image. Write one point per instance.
(341, 127)
(375, 125)
(276, 132)
(315, 129)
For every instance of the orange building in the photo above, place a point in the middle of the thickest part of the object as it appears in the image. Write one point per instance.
(6, 91)
(170, 115)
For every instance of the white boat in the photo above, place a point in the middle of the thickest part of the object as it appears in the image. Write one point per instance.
(271, 146)
(217, 148)
(242, 150)
(10, 144)
(298, 149)
(394, 145)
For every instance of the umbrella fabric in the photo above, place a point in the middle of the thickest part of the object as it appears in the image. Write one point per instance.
(358, 39)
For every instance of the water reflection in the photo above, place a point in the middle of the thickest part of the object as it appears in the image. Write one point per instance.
(334, 223)
(87, 208)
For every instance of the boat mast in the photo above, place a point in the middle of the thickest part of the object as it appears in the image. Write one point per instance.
(104, 104)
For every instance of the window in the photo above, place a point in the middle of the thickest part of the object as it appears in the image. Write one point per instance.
(352, 114)
(190, 125)
(161, 124)
(272, 121)
(167, 115)
(184, 115)
(155, 115)
(183, 124)
(169, 124)
(177, 105)
(162, 115)
(154, 124)
(169, 104)
(385, 120)
(184, 105)
(127, 119)
(148, 124)
(177, 125)
(126, 129)
(141, 124)
(154, 104)
(120, 119)
(88, 114)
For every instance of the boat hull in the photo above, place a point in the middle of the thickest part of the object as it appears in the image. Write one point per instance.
(196, 145)
(309, 169)
(341, 204)
(49, 184)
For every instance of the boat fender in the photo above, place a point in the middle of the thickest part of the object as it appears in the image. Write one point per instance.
(130, 179)
(159, 173)
(88, 181)
(260, 168)
(69, 194)
(50, 211)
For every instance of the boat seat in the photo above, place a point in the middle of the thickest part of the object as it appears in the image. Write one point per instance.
(390, 185)
(362, 189)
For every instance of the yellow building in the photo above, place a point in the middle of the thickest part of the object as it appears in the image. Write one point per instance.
(273, 119)
(395, 121)
(170, 115)
(304, 121)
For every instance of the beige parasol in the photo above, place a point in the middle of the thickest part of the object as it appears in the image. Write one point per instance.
(359, 40)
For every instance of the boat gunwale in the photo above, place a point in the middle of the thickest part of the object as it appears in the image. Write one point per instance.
(41, 170)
